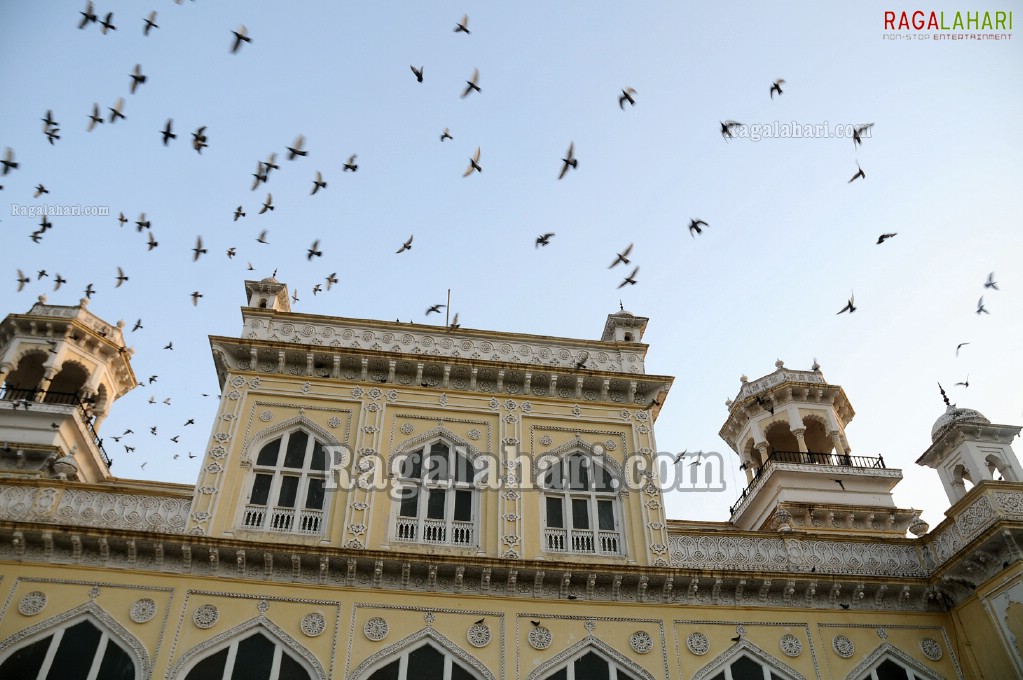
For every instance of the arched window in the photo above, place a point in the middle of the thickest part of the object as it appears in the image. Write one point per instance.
(888, 668)
(288, 486)
(581, 509)
(423, 663)
(436, 500)
(78, 651)
(255, 656)
(590, 666)
(748, 668)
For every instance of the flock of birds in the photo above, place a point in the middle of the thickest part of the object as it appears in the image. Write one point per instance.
(297, 150)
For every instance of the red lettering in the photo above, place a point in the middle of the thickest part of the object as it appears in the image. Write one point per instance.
(889, 20)
(932, 23)
(904, 21)
(918, 20)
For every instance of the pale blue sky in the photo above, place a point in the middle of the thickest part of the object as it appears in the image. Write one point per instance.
(788, 236)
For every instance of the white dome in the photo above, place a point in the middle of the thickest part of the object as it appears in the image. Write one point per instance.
(953, 415)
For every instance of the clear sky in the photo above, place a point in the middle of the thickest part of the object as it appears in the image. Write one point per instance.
(789, 235)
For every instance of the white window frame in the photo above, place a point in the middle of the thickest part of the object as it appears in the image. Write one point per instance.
(232, 655)
(57, 634)
(274, 518)
(449, 660)
(422, 529)
(591, 541)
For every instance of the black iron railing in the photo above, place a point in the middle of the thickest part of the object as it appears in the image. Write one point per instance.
(29, 397)
(807, 458)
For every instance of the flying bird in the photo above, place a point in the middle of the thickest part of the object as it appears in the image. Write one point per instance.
(849, 306)
(858, 131)
(150, 23)
(331, 280)
(965, 383)
(58, 281)
(22, 280)
(474, 164)
(199, 139)
(9, 164)
(107, 23)
(231, 252)
(679, 457)
(240, 36)
(544, 239)
(238, 212)
(136, 78)
(152, 242)
(981, 309)
(169, 345)
(317, 288)
(51, 135)
(296, 150)
(568, 161)
(351, 166)
(262, 237)
(137, 326)
(694, 227)
(471, 84)
(726, 128)
(267, 204)
(776, 87)
(88, 15)
(407, 245)
(167, 133)
(859, 174)
(454, 322)
(40, 190)
(262, 174)
(960, 346)
(122, 220)
(95, 118)
(463, 25)
(89, 291)
(626, 96)
(198, 249)
(884, 237)
(115, 110)
(622, 257)
(141, 223)
(418, 72)
(434, 308)
(314, 250)
(630, 279)
(121, 278)
(991, 283)
(48, 121)
(318, 183)
(195, 298)
(445, 135)
(840, 483)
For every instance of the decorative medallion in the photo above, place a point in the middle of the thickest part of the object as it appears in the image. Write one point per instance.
(313, 624)
(474, 434)
(641, 642)
(790, 645)
(237, 381)
(94, 592)
(610, 445)
(392, 395)
(407, 428)
(375, 629)
(334, 422)
(546, 441)
(478, 635)
(698, 644)
(540, 638)
(143, 610)
(205, 616)
(882, 633)
(32, 603)
(931, 648)
(306, 387)
(843, 646)
(429, 617)
(263, 607)
(576, 411)
(526, 406)
(266, 416)
(510, 405)
(590, 626)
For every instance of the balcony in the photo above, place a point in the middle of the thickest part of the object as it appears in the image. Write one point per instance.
(282, 520)
(832, 460)
(569, 541)
(26, 398)
(435, 532)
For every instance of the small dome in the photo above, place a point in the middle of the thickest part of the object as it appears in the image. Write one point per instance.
(269, 279)
(952, 415)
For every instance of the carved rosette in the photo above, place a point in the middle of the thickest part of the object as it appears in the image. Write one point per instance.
(790, 645)
(313, 624)
(478, 635)
(641, 642)
(143, 610)
(931, 648)
(843, 646)
(698, 644)
(375, 629)
(540, 638)
(32, 603)
(206, 616)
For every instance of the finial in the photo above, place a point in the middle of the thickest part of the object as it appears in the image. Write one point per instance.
(728, 403)
(779, 364)
(274, 275)
(84, 302)
(743, 379)
(815, 366)
(621, 307)
(120, 323)
(42, 299)
(944, 396)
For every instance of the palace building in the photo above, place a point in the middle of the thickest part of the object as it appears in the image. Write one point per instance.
(389, 501)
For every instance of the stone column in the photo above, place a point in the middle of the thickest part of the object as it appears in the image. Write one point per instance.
(800, 440)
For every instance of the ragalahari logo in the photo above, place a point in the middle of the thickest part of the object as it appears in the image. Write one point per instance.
(941, 25)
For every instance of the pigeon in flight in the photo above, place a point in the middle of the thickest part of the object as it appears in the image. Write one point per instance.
(240, 36)
(150, 23)
(22, 280)
(152, 242)
(268, 204)
(960, 346)
(694, 227)
(630, 279)
(626, 96)
(622, 257)
(195, 298)
(115, 111)
(434, 308)
(88, 15)
(850, 306)
(108, 23)
(199, 139)
(296, 150)
(858, 132)
(9, 164)
(198, 249)
(318, 183)
(314, 251)
(991, 283)
(95, 118)
(445, 135)
(965, 383)
(884, 237)
(238, 212)
(463, 25)
(544, 239)
(407, 245)
(262, 237)
(981, 309)
(418, 72)
(121, 278)
(726, 128)
(471, 84)
(776, 87)
(474, 164)
(167, 133)
(859, 174)
(350, 165)
(136, 78)
(568, 161)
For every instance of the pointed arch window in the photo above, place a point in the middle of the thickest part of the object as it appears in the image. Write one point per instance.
(255, 656)
(288, 486)
(424, 663)
(590, 666)
(79, 650)
(582, 513)
(889, 669)
(747, 668)
(436, 499)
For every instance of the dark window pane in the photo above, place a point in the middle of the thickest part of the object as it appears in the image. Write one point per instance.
(560, 675)
(260, 489)
(622, 675)
(412, 466)
(459, 673)
(426, 663)
(580, 514)
(254, 659)
(295, 457)
(435, 505)
(463, 468)
(555, 513)
(603, 479)
(388, 672)
(719, 676)
(319, 461)
(117, 665)
(26, 662)
(314, 497)
(289, 488)
(889, 670)
(605, 515)
(268, 454)
(579, 474)
(776, 677)
(292, 670)
(437, 464)
(592, 667)
(746, 668)
(463, 506)
(409, 502)
(75, 653)
(210, 668)
(554, 481)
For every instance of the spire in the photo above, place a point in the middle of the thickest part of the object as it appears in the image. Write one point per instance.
(944, 396)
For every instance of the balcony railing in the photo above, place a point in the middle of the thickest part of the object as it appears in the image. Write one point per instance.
(435, 531)
(807, 458)
(29, 397)
(569, 541)
(282, 520)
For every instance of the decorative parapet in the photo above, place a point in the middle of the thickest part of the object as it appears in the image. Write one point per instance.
(72, 506)
(778, 377)
(991, 505)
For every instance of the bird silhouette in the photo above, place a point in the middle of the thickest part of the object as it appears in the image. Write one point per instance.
(108, 23)
(238, 212)
(626, 96)
(884, 237)
(622, 257)
(445, 135)
(142, 223)
(695, 227)
(726, 128)
(152, 242)
(136, 78)
(231, 252)
(472, 84)
(58, 281)
(318, 183)
(8, 161)
(965, 383)
(859, 174)
(262, 237)
(474, 164)
(544, 239)
(407, 245)
(115, 111)
(150, 23)
(296, 148)
(840, 483)
(991, 283)
(858, 133)
(121, 278)
(240, 36)
(350, 165)
(434, 309)
(167, 133)
(198, 250)
(313, 250)
(195, 298)
(568, 161)
(463, 27)
(850, 306)
(418, 72)
(630, 279)
(22, 280)
(40, 190)
(454, 322)
(88, 15)
(331, 279)
(94, 119)
(268, 204)
(960, 346)
(199, 139)
(981, 309)
(776, 87)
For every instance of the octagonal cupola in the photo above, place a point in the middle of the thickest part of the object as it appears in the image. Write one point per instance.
(788, 430)
(268, 293)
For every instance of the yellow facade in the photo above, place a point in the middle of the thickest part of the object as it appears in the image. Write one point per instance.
(487, 571)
